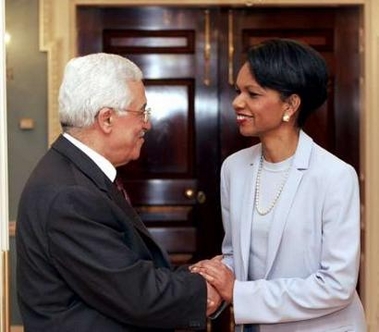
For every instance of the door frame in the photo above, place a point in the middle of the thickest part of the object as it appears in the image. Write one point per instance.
(58, 39)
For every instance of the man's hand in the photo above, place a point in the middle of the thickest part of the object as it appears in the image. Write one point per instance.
(213, 299)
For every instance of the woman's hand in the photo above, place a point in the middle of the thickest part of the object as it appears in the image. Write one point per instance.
(218, 275)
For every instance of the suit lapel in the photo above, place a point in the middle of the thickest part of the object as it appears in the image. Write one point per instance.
(82, 162)
(116, 196)
(98, 178)
(93, 173)
(300, 163)
(155, 250)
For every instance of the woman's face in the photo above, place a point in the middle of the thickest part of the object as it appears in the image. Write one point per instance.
(259, 110)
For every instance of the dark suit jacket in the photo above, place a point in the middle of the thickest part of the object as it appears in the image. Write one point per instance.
(85, 261)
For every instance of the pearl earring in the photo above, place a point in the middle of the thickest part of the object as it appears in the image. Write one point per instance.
(286, 117)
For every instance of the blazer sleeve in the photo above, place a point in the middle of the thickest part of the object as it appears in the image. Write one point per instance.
(227, 245)
(110, 269)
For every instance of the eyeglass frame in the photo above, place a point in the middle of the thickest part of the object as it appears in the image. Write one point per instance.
(146, 113)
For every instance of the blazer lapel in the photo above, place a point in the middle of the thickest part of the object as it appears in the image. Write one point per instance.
(280, 217)
(250, 176)
(300, 163)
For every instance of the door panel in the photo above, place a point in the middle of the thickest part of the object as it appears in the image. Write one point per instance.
(173, 128)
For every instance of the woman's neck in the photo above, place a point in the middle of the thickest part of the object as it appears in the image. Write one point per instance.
(276, 148)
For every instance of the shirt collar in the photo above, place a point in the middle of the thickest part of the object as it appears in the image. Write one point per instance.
(104, 164)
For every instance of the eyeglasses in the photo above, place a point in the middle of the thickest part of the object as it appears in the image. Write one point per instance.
(143, 114)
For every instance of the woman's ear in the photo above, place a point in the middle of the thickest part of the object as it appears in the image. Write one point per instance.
(292, 106)
(105, 119)
(294, 102)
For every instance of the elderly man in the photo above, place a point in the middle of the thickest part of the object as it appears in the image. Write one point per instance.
(86, 262)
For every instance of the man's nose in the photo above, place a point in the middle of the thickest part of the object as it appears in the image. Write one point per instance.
(147, 125)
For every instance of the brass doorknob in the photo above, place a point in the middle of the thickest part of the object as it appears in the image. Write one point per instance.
(199, 196)
(189, 193)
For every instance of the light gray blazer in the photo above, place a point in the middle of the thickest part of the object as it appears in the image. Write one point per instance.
(313, 246)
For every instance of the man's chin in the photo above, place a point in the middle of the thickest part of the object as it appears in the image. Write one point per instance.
(135, 156)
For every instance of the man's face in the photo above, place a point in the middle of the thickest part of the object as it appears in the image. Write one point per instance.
(129, 128)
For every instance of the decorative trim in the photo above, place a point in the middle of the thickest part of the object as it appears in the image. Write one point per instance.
(55, 18)
(369, 176)
(55, 68)
(247, 3)
(12, 228)
(207, 48)
(230, 47)
(5, 291)
(17, 328)
(4, 201)
(46, 22)
(4, 198)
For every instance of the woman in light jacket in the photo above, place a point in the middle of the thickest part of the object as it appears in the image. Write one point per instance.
(290, 208)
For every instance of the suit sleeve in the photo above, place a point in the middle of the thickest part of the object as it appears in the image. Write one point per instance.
(110, 269)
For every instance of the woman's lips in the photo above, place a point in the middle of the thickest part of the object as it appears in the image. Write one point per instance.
(243, 117)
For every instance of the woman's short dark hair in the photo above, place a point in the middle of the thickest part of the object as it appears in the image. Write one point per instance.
(291, 67)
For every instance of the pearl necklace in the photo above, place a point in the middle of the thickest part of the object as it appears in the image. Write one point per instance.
(263, 212)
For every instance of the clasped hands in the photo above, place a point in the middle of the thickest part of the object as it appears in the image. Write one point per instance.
(220, 281)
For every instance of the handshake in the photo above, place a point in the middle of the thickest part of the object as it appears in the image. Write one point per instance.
(220, 281)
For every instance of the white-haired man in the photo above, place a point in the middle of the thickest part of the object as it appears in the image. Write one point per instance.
(86, 262)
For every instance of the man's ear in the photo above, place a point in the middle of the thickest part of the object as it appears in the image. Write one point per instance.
(105, 119)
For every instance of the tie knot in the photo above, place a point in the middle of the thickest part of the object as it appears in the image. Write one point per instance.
(120, 186)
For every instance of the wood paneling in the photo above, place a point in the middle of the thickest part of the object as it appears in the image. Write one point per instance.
(148, 41)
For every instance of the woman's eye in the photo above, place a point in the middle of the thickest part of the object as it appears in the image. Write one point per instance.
(252, 94)
(238, 91)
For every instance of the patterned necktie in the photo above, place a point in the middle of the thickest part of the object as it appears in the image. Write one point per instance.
(120, 186)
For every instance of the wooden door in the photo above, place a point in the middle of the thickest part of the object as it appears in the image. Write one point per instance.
(190, 58)
(174, 184)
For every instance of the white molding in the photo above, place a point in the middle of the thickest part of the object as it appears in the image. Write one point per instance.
(4, 213)
(4, 207)
(58, 38)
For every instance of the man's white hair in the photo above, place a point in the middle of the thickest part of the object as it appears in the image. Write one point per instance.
(92, 82)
